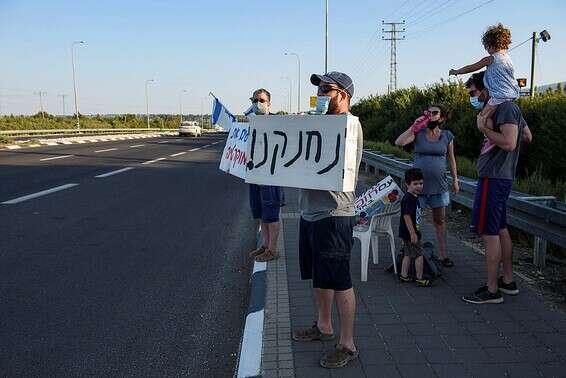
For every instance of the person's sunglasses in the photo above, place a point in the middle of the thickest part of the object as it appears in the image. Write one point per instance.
(256, 100)
(327, 89)
(434, 112)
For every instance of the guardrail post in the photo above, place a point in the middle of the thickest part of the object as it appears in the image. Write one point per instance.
(539, 255)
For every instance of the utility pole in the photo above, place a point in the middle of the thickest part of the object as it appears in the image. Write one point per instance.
(393, 58)
(63, 99)
(533, 61)
(40, 94)
(74, 81)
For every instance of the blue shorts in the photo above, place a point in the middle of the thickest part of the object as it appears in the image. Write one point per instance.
(325, 246)
(265, 202)
(489, 215)
(434, 201)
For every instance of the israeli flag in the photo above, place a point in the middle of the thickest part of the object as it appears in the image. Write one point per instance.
(222, 116)
(250, 111)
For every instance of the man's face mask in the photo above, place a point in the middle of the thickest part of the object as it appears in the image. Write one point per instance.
(322, 104)
(476, 103)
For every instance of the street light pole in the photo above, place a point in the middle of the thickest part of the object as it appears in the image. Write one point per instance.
(326, 39)
(147, 101)
(290, 90)
(298, 81)
(74, 80)
(181, 104)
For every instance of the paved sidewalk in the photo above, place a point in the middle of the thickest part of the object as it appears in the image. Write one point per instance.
(405, 331)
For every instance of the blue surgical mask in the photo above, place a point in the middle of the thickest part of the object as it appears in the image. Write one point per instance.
(322, 103)
(477, 104)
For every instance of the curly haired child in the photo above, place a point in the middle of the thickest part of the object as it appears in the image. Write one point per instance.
(499, 76)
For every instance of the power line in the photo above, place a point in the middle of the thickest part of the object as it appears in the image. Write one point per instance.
(425, 30)
(393, 56)
(521, 44)
(433, 12)
(413, 12)
(397, 9)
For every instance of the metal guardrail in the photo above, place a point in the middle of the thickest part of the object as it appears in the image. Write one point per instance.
(20, 133)
(544, 217)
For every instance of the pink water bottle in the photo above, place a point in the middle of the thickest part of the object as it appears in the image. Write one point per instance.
(421, 122)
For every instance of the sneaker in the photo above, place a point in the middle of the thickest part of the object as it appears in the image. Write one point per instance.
(507, 288)
(256, 252)
(483, 296)
(405, 279)
(447, 262)
(423, 282)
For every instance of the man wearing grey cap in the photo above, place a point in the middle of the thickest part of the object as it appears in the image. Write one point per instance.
(325, 238)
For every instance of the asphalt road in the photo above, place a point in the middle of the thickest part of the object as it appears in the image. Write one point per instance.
(137, 273)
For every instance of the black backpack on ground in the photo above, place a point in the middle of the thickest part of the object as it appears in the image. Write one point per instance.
(432, 267)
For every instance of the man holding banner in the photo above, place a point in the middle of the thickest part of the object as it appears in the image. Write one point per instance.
(325, 238)
(265, 200)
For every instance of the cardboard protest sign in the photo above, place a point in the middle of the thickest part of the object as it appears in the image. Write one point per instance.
(375, 198)
(303, 151)
(234, 156)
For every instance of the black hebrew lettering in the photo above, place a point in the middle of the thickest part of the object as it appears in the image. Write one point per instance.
(336, 158)
(265, 153)
(296, 157)
(273, 159)
(318, 145)
(281, 133)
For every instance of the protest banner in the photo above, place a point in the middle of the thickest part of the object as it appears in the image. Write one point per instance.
(303, 151)
(234, 156)
(375, 198)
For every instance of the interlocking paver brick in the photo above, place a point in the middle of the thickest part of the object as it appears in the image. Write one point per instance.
(402, 330)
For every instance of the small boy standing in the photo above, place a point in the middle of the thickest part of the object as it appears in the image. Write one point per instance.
(409, 227)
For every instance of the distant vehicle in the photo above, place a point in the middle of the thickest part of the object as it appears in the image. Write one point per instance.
(190, 128)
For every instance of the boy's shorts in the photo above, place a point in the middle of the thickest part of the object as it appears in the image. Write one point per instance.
(324, 252)
(265, 202)
(412, 250)
(489, 215)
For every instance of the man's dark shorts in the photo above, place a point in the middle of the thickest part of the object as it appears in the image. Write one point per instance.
(324, 252)
(489, 215)
(265, 202)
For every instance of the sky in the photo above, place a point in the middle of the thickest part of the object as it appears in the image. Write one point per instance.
(192, 47)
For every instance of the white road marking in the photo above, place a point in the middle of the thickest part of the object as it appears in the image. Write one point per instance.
(13, 147)
(106, 150)
(56, 157)
(137, 145)
(163, 141)
(153, 161)
(194, 149)
(177, 140)
(178, 154)
(112, 173)
(38, 194)
(206, 146)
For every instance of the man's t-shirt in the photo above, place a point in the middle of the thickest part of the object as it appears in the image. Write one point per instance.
(410, 206)
(319, 204)
(497, 163)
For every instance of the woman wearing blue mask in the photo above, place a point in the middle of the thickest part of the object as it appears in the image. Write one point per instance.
(433, 147)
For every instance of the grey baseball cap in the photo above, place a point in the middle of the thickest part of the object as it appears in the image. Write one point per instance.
(344, 81)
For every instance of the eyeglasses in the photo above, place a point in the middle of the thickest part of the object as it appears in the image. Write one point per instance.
(256, 100)
(328, 88)
(434, 112)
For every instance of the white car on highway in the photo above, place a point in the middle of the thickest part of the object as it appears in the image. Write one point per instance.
(190, 128)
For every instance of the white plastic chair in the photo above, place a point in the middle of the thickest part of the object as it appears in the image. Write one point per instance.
(380, 224)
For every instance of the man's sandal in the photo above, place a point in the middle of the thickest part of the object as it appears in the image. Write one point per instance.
(268, 255)
(339, 357)
(311, 334)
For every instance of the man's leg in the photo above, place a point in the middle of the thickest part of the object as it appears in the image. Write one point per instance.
(492, 259)
(419, 267)
(346, 303)
(273, 235)
(265, 234)
(405, 266)
(506, 255)
(324, 299)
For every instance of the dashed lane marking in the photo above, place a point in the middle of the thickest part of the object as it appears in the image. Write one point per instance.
(153, 161)
(56, 157)
(38, 194)
(106, 150)
(112, 173)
